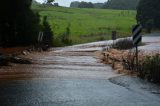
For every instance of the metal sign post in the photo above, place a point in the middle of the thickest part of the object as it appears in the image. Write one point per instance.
(40, 37)
(137, 38)
(114, 37)
(40, 40)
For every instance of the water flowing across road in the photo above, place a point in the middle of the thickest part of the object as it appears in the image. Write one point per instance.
(72, 76)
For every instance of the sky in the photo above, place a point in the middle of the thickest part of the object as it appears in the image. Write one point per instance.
(67, 2)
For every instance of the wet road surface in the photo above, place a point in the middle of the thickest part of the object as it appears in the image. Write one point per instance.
(71, 76)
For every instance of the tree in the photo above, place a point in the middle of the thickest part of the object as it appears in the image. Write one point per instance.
(121, 4)
(74, 4)
(49, 2)
(85, 5)
(65, 37)
(98, 5)
(48, 34)
(19, 25)
(148, 14)
(34, 2)
(56, 4)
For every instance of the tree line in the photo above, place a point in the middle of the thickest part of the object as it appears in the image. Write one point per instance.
(45, 3)
(77, 4)
(121, 4)
(110, 4)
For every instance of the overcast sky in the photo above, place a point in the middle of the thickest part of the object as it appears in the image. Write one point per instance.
(67, 2)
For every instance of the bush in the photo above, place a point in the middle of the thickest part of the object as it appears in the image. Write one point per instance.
(150, 68)
(19, 24)
(101, 38)
(48, 33)
(57, 42)
(65, 37)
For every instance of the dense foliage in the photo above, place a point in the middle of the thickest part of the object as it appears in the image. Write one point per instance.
(110, 4)
(77, 4)
(74, 4)
(50, 1)
(148, 13)
(82, 4)
(85, 5)
(98, 5)
(121, 4)
(19, 25)
(150, 68)
(47, 1)
(48, 34)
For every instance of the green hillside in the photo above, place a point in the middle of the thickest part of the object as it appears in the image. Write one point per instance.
(88, 25)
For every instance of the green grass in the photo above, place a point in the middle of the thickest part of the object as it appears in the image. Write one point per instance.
(89, 25)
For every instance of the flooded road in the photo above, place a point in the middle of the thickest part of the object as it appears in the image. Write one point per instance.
(152, 42)
(72, 76)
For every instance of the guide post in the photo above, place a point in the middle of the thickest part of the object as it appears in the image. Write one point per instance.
(137, 38)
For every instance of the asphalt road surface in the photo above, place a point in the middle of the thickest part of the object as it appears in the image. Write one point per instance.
(71, 76)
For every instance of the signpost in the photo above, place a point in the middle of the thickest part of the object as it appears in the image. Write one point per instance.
(137, 38)
(40, 37)
(114, 36)
(40, 40)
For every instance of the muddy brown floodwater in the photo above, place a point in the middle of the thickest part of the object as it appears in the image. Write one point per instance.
(59, 64)
(72, 76)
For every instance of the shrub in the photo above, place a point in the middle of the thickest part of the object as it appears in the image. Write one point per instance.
(65, 37)
(150, 68)
(101, 38)
(48, 33)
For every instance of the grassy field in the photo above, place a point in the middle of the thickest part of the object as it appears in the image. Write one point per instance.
(89, 25)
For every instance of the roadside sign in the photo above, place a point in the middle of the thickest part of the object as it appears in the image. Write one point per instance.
(114, 35)
(40, 37)
(137, 38)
